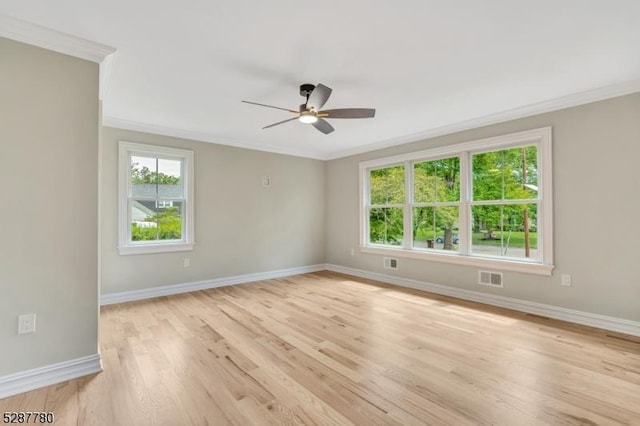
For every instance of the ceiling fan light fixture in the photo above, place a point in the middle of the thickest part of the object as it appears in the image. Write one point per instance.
(308, 118)
(311, 111)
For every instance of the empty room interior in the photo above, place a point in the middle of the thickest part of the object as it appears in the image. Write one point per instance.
(320, 213)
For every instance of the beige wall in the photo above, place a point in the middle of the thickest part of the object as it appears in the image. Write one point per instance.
(240, 226)
(48, 219)
(596, 149)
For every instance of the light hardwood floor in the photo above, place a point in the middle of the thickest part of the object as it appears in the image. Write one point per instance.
(326, 348)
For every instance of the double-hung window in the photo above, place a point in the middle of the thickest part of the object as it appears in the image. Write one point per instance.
(485, 203)
(156, 199)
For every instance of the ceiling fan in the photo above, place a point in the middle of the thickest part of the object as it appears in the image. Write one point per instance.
(310, 112)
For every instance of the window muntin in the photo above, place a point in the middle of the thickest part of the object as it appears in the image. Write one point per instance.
(504, 182)
(156, 199)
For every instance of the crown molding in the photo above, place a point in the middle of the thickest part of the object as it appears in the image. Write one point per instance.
(105, 73)
(120, 123)
(563, 102)
(572, 100)
(37, 35)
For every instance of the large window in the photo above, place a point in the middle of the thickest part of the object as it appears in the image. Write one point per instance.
(482, 203)
(156, 199)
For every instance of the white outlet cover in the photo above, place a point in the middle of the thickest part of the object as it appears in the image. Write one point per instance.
(266, 181)
(26, 323)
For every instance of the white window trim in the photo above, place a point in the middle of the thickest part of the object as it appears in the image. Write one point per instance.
(126, 247)
(541, 137)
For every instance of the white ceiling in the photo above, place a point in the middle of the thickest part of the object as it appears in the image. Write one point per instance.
(428, 67)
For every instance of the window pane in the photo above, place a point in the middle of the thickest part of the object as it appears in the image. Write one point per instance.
(509, 230)
(143, 171)
(156, 220)
(169, 178)
(144, 222)
(437, 181)
(386, 185)
(435, 227)
(156, 177)
(385, 225)
(170, 221)
(508, 174)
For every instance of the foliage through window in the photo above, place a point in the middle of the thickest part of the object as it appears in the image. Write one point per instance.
(155, 210)
(504, 204)
(386, 209)
(477, 200)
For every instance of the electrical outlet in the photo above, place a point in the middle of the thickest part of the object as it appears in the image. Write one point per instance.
(186, 262)
(26, 323)
(565, 280)
(266, 181)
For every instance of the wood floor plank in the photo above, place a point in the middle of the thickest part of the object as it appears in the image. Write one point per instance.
(326, 348)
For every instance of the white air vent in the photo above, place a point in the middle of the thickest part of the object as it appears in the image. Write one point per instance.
(494, 279)
(390, 263)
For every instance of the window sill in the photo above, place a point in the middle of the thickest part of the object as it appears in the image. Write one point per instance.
(154, 248)
(481, 262)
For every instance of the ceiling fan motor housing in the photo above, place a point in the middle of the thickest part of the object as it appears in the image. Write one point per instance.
(306, 89)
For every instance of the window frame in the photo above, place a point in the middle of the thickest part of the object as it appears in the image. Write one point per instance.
(125, 245)
(540, 137)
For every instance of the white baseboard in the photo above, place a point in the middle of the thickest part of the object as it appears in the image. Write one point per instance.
(579, 317)
(24, 381)
(585, 318)
(147, 293)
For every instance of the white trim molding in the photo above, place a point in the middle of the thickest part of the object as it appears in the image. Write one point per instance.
(480, 262)
(28, 380)
(148, 293)
(218, 139)
(619, 325)
(47, 38)
(556, 104)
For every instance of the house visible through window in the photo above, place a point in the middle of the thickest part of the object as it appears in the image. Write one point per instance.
(483, 203)
(156, 202)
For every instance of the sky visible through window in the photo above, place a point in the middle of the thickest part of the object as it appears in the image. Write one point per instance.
(168, 167)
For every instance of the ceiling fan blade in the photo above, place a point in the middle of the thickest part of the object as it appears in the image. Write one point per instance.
(270, 106)
(323, 126)
(279, 122)
(318, 97)
(349, 113)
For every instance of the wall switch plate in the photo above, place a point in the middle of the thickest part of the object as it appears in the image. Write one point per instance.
(26, 323)
(266, 181)
(565, 280)
(186, 262)
(353, 252)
